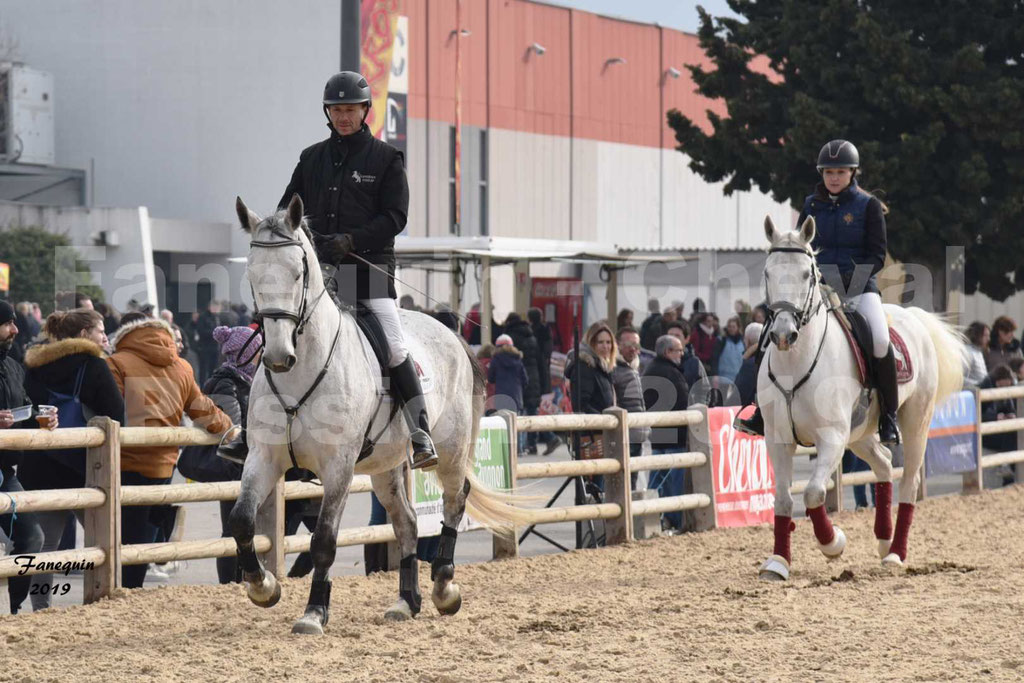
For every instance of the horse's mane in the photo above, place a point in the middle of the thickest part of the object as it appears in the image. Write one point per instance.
(791, 239)
(278, 224)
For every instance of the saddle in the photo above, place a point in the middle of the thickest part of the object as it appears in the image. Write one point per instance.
(858, 335)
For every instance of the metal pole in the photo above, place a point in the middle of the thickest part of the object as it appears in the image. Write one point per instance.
(350, 35)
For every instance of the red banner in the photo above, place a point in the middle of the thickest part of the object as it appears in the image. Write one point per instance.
(379, 20)
(742, 472)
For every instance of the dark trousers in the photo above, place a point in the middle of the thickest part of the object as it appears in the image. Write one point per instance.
(137, 527)
(669, 483)
(851, 463)
(26, 537)
(208, 358)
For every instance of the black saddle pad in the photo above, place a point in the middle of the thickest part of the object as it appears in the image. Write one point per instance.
(865, 340)
(370, 326)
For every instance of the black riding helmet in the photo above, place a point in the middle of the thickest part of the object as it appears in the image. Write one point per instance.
(838, 154)
(347, 87)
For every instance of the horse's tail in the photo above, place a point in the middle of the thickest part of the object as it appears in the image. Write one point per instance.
(950, 349)
(496, 510)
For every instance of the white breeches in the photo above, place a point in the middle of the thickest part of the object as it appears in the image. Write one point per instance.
(386, 311)
(869, 305)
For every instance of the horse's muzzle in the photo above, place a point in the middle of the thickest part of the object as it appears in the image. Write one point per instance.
(784, 341)
(274, 366)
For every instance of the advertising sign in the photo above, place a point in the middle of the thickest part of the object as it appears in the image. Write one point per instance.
(953, 437)
(492, 467)
(742, 472)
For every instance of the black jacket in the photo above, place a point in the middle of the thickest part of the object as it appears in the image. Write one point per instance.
(229, 389)
(54, 367)
(545, 345)
(12, 395)
(355, 185)
(650, 330)
(596, 390)
(665, 389)
(523, 339)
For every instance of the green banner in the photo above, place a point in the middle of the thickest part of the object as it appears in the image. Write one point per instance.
(492, 468)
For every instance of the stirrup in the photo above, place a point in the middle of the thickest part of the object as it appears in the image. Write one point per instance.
(424, 455)
(235, 452)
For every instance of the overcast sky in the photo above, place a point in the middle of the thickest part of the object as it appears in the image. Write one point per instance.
(680, 14)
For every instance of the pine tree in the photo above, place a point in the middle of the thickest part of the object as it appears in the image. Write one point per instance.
(930, 91)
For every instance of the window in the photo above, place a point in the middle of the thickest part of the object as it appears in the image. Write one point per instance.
(452, 186)
(484, 230)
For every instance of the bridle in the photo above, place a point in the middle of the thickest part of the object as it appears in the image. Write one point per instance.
(803, 315)
(301, 318)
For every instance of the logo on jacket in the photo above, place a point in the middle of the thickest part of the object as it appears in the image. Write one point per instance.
(848, 218)
(363, 177)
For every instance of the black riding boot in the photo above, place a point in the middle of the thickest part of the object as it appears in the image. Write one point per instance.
(407, 383)
(236, 450)
(889, 398)
(753, 425)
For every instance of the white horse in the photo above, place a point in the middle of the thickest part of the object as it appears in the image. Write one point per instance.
(311, 404)
(808, 388)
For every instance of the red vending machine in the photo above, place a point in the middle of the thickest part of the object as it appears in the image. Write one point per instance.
(561, 299)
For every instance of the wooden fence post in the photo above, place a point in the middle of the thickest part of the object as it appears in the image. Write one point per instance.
(270, 522)
(617, 487)
(974, 482)
(699, 441)
(103, 524)
(507, 547)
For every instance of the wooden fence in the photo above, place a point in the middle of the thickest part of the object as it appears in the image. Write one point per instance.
(103, 495)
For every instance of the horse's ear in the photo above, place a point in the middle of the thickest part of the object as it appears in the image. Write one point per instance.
(247, 218)
(769, 229)
(295, 210)
(807, 230)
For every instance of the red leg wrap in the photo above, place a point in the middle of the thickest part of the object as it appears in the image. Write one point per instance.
(883, 510)
(904, 517)
(823, 530)
(784, 526)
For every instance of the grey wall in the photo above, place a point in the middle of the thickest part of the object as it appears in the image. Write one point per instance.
(183, 104)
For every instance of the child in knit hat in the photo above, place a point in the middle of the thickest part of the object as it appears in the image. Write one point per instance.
(240, 347)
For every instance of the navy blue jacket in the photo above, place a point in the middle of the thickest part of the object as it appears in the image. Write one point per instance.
(850, 238)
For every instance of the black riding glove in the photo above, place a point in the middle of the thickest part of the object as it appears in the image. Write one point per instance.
(335, 247)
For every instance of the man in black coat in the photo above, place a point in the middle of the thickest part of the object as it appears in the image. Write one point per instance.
(355, 196)
(545, 346)
(24, 531)
(665, 389)
(524, 340)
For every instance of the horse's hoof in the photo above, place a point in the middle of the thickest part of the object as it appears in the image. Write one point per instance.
(450, 601)
(400, 611)
(775, 568)
(883, 546)
(308, 625)
(267, 593)
(892, 560)
(834, 550)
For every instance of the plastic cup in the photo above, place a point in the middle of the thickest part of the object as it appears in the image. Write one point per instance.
(44, 413)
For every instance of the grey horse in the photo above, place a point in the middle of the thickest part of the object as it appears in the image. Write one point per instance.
(311, 404)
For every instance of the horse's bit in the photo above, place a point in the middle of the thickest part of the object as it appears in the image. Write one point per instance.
(802, 315)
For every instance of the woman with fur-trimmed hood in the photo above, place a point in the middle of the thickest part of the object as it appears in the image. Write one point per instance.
(158, 387)
(507, 372)
(70, 362)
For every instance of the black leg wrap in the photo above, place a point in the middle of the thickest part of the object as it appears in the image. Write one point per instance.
(247, 558)
(409, 582)
(445, 552)
(320, 600)
(320, 593)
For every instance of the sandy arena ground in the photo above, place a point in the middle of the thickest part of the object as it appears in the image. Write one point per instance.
(671, 609)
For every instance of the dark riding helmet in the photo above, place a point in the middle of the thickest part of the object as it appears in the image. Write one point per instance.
(347, 87)
(838, 154)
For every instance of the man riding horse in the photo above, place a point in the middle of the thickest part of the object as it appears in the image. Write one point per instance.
(850, 243)
(356, 195)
